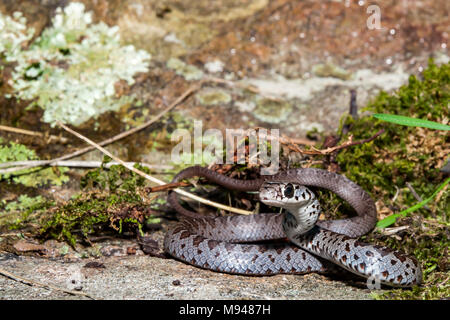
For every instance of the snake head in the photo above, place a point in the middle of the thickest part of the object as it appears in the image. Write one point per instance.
(285, 194)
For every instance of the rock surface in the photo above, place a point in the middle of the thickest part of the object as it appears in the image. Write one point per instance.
(144, 277)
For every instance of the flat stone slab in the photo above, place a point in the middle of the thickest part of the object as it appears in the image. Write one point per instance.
(145, 277)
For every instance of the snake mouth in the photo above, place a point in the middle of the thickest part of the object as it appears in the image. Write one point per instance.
(269, 201)
(269, 197)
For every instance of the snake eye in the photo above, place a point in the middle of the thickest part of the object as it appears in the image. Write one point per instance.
(289, 190)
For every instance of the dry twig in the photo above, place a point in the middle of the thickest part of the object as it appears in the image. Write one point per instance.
(122, 135)
(394, 230)
(326, 151)
(416, 195)
(151, 178)
(32, 133)
(78, 164)
(43, 285)
(283, 139)
(168, 186)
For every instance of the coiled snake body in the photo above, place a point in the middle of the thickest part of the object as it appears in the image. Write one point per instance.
(219, 243)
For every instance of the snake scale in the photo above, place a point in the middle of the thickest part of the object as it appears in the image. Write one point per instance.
(227, 244)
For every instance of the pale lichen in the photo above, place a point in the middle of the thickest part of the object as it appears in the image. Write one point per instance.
(14, 213)
(187, 71)
(13, 35)
(329, 69)
(71, 69)
(24, 202)
(272, 110)
(212, 96)
(30, 177)
(215, 66)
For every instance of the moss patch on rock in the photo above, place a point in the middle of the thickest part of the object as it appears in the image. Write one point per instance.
(34, 177)
(408, 155)
(402, 154)
(110, 202)
(13, 214)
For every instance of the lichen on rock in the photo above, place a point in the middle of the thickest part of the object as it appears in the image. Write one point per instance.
(212, 96)
(71, 69)
(187, 71)
(13, 34)
(329, 69)
(272, 110)
(30, 177)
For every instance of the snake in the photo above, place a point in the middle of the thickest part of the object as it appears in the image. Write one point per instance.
(293, 241)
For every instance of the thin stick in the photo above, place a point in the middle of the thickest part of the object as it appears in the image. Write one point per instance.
(31, 133)
(307, 142)
(43, 285)
(78, 164)
(283, 139)
(394, 230)
(416, 195)
(122, 135)
(292, 143)
(347, 144)
(153, 179)
(397, 192)
(168, 186)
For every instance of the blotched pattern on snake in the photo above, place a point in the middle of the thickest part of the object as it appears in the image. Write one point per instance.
(224, 244)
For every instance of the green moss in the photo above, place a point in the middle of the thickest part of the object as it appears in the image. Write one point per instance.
(401, 154)
(80, 213)
(23, 203)
(427, 293)
(116, 178)
(110, 202)
(30, 177)
(407, 154)
(16, 213)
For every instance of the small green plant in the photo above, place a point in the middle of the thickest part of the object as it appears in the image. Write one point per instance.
(413, 122)
(412, 154)
(408, 121)
(386, 222)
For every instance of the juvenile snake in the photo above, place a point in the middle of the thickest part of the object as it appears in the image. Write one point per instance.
(224, 243)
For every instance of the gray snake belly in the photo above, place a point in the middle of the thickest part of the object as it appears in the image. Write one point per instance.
(224, 243)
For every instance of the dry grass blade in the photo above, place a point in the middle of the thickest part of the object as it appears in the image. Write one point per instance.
(151, 178)
(32, 133)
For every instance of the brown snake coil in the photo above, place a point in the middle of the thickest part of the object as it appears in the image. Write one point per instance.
(224, 243)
